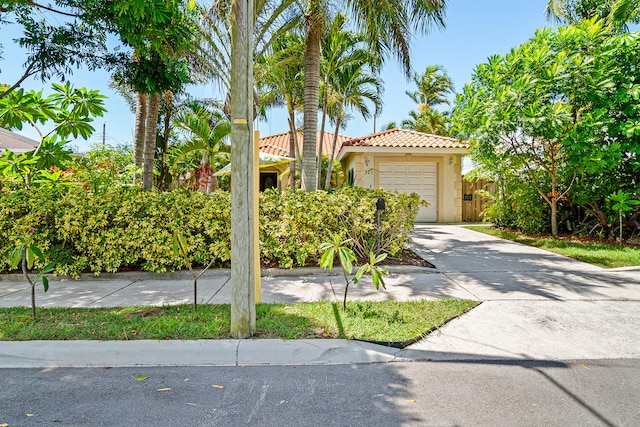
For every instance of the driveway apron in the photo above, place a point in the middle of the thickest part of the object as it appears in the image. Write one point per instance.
(535, 304)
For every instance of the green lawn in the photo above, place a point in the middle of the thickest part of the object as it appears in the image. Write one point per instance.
(388, 321)
(596, 253)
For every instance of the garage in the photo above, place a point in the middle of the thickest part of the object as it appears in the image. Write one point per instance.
(420, 178)
(411, 162)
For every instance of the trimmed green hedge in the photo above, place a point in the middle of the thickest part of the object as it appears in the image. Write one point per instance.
(125, 228)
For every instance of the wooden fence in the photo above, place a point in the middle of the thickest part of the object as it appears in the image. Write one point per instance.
(472, 202)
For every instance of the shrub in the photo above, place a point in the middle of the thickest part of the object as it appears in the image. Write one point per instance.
(122, 228)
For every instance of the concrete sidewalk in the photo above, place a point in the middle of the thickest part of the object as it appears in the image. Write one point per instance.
(536, 305)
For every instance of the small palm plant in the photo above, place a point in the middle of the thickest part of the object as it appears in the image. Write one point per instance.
(338, 247)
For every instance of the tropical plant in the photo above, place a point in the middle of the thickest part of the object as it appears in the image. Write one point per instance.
(25, 254)
(618, 13)
(349, 80)
(623, 203)
(68, 110)
(433, 87)
(279, 77)
(338, 247)
(181, 249)
(551, 107)
(428, 121)
(387, 26)
(207, 131)
(350, 88)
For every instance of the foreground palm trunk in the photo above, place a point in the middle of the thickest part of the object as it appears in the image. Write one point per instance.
(150, 140)
(140, 131)
(245, 266)
(311, 96)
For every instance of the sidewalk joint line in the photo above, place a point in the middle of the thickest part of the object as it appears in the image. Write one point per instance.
(117, 290)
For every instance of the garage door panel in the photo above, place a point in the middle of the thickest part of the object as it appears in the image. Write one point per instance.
(420, 178)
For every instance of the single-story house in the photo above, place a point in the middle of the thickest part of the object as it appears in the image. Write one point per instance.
(408, 161)
(279, 145)
(15, 142)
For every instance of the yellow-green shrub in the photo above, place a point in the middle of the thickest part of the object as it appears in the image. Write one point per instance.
(125, 228)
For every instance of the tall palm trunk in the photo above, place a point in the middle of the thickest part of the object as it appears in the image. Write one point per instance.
(168, 96)
(294, 151)
(311, 96)
(150, 140)
(140, 130)
(322, 126)
(327, 182)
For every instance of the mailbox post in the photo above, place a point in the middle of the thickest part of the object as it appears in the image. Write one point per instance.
(380, 206)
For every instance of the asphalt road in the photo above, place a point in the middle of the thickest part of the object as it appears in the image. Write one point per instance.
(579, 393)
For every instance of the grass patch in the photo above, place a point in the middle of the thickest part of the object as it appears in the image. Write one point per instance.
(597, 253)
(388, 321)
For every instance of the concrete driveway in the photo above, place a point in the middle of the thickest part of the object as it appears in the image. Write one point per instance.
(536, 304)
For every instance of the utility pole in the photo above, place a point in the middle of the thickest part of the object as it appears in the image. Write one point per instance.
(245, 265)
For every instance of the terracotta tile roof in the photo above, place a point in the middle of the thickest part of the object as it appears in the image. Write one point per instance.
(404, 138)
(15, 142)
(279, 144)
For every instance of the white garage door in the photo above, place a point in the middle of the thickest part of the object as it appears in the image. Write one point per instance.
(420, 178)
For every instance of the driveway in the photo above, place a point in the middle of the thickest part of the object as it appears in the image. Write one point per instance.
(535, 304)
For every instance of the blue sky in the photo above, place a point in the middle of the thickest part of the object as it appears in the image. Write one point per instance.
(475, 30)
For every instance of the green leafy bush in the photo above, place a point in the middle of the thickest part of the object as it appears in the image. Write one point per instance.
(518, 208)
(122, 228)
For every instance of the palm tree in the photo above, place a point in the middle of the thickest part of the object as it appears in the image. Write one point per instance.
(273, 20)
(427, 121)
(207, 131)
(618, 13)
(350, 89)
(341, 50)
(387, 26)
(279, 78)
(433, 87)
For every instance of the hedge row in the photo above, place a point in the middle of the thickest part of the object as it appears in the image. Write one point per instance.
(125, 228)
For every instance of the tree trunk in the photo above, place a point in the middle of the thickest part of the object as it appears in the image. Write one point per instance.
(245, 265)
(25, 273)
(327, 183)
(321, 143)
(292, 150)
(311, 95)
(140, 130)
(165, 138)
(554, 217)
(150, 141)
(294, 145)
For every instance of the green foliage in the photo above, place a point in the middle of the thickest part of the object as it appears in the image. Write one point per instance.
(517, 206)
(558, 114)
(122, 227)
(25, 254)
(623, 203)
(103, 167)
(338, 247)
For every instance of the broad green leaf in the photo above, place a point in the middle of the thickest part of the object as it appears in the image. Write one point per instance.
(359, 274)
(45, 283)
(326, 261)
(347, 257)
(16, 256)
(36, 250)
(30, 257)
